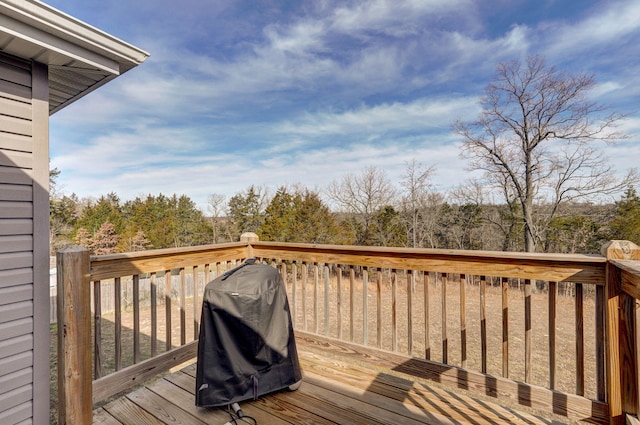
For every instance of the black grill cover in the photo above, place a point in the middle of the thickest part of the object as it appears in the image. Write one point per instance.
(246, 346)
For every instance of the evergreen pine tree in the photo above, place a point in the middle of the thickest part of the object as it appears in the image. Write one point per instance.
(626, 222)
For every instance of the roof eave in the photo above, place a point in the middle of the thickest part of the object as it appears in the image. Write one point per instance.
(39, 32)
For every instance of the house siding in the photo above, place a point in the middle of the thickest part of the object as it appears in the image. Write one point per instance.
(23, 189)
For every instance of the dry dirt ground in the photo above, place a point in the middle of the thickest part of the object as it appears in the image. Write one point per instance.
(346, 302)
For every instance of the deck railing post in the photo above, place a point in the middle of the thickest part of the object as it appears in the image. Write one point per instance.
(249, 237)
(620, 336)
(75, 401)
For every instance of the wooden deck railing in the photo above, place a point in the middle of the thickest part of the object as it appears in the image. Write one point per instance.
(548, 331)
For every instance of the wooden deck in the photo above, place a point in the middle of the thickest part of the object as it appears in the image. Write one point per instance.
(339, 387)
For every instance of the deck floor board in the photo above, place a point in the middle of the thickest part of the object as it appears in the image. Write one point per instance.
(334, 390)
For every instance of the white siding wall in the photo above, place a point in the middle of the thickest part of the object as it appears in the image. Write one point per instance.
(20, 193)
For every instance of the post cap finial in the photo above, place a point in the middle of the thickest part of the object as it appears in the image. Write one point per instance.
(249, 237)
(620, 250)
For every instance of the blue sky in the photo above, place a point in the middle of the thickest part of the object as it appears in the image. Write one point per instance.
(275, 93)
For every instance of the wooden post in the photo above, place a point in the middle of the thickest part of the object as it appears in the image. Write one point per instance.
(249, 237)
(75, 398)
(620, 371)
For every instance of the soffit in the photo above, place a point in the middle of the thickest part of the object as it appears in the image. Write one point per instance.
(80, 57)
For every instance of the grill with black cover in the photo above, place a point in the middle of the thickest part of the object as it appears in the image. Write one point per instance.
(246, 346)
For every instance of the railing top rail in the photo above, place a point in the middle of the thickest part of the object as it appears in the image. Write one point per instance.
(131, 263)
(629, 276)
(588, 269)
(552, 267)
(632, 266)
(165, 252)
(420, 252)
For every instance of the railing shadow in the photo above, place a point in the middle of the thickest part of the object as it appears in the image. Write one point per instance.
(461, 388)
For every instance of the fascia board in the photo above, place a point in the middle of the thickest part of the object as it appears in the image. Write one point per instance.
(49, 42)
(67, 35)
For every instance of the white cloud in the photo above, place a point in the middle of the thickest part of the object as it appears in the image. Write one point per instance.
(415, 116)
(117, 150)
(392, 17)
(481, 55)
(302, 38)
(609, 23)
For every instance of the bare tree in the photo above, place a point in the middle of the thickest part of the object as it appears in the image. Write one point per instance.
(534, 141)
(417, 188)
(361, 196)
(499, 220)
(216, 207)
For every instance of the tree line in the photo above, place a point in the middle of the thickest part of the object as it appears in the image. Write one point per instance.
(107, 225)
(545, 186)
(366, 209)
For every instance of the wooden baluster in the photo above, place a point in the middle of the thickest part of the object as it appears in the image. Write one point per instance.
(305, 278)
(552, 334)
(326, 277)
(483, 323)
(445, 339)
(379, 308)
(283, 274)
(365, 305)
(339, 299)
(579, 322)
(136, 318)
(97, 330)
(410, 287)
(394, 310)
(154, 314)
(316, 314)
(117, 301)
(505, 327)
(294, 300)
(601, 389)
(183, 310)
(426, 281)
(352, 295)
(196, 301)
(527, 330)
(463, 320)
(167, 311)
